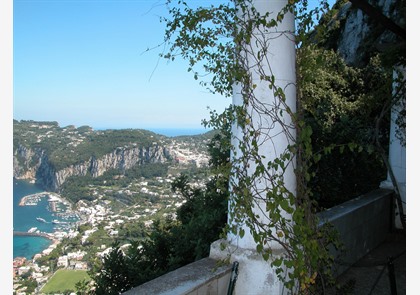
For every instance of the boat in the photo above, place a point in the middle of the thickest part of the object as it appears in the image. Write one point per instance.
(41, 219)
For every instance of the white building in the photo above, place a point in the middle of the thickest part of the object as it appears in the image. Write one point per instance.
(63, 261)
(23, 269)
(76, 255)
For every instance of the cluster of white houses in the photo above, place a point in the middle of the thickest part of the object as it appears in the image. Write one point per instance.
(185, 154)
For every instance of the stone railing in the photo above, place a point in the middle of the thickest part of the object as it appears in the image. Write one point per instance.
(205, 276)
(363, 224)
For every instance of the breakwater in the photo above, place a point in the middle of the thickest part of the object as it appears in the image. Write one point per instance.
(34, 234)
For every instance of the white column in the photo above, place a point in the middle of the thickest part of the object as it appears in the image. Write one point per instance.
(256, 275)
(397, 156)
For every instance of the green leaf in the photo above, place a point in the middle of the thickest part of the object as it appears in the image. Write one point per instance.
(265, 255)
(241, 233)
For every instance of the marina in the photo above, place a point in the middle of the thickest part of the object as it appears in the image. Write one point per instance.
(34, 213)
(32, 200)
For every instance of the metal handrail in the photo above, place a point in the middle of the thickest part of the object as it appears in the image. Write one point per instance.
(233, 277)
(391, 274)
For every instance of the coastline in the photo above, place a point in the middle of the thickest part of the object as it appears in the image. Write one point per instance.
(55, 209)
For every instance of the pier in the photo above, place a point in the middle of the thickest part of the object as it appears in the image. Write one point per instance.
(34, 234)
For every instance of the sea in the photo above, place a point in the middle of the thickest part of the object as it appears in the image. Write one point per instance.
(24, 218)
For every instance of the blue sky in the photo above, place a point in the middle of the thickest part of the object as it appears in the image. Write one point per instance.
(84, 63)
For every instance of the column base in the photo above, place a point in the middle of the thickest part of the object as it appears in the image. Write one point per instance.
(255, 275)
(387, 184)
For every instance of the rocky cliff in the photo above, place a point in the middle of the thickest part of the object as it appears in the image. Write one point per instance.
(356, 35)
(34, 164)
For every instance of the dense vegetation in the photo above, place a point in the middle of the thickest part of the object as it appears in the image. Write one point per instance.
(340, 103)
(70, 145)
(80, 187)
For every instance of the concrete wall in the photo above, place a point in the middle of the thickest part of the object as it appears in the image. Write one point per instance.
(363, 224)
(202, 277)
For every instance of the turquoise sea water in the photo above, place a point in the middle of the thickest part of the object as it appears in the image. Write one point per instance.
(24, 218)
(29, 246)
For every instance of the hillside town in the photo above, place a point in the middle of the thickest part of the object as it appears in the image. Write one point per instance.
(97, 216)
(84, 231)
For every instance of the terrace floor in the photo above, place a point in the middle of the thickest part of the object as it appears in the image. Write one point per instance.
(371, 275)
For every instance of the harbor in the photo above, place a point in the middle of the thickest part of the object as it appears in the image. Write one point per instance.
(59, 207)
(40, 220)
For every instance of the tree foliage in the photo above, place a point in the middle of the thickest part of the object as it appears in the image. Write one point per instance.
(114, 276)
(340, 103)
